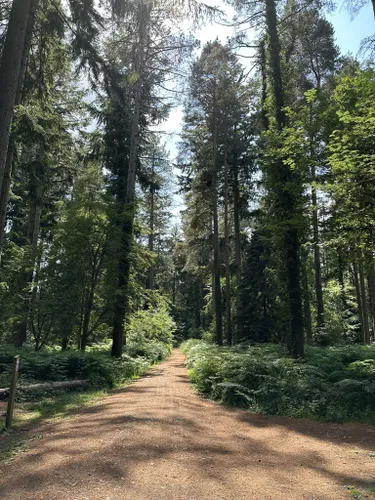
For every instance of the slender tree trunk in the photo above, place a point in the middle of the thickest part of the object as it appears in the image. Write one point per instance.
(144, 19)
(362, 284)
(263, 67)
(118, 331)
(120, 306)
(80, 328)
(358, 292)
(65, 340)
(306, 303)
(10, 68)
(33, 235)
(317, 259)
(228, 323)
(275, 61)
(151, 235)
(371, 286)
(216, 242)
(286, 198)
(341, 280)
(174, 288)
(86, 320)
(5, 185)
(237, 246)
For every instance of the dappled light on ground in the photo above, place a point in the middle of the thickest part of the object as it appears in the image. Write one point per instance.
(156, 439)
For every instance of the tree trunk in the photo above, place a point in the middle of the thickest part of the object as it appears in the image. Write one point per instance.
(341, 280)
(362, 284)
(4, 393)
(306, 303)
(33, 235)
(174, 278)
(151, 235)
(86, 320)
(237, 246)
(118, 332)
(7, 177)
(275, 61)
(263, 67)
(371, 286)
(144, 13)
(286, 197)
(10, 68)
(216, 241)
(358, 292)
(317, 260)
(228, 325)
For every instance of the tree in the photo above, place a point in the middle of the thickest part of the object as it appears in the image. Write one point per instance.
(216, 156)
(10, 72)
(350, 158)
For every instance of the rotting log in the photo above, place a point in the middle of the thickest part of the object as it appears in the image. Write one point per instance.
(4, 393)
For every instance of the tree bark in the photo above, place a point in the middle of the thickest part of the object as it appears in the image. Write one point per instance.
(86, 320)
(4, 393)
(151, 235)
(216, 242)
(306, 303)
(371, 286)
(228, 323)
(341, 280)
(362, 284)
(237, 246)
(275, 60)
(7, 177)
(33, 235)
(317, 260)
(118, 331)
(10, 68)
(286, 198)
(263, 67)
(358, 292)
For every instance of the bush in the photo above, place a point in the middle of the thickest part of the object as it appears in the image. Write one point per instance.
(336, 384)
(152, 325)
(149, 335)
(99, 368)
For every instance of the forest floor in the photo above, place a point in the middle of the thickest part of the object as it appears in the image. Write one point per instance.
(156, 440)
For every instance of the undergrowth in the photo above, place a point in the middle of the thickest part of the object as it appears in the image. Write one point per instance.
(332, 384)
(98, 367)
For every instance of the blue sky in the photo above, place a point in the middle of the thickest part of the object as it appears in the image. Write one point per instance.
(349, 34)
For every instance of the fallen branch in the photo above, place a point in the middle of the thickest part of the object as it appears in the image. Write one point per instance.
(4, 393)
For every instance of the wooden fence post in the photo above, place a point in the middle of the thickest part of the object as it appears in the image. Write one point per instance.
(12, 392)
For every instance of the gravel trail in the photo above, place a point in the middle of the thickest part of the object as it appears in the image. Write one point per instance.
(158, 440)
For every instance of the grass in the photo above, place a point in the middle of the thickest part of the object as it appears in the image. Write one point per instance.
(355, 493)
(57, 405)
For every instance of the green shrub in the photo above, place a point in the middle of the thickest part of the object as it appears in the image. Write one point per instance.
(99, 368)
(330, 384)
(152, 325)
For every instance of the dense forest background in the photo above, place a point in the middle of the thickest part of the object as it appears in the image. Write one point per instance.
(276, 242)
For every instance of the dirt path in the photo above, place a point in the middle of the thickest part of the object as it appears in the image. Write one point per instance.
(157, 440)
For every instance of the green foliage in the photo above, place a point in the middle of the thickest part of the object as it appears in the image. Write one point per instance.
(98, 367)
(335, 384)
(151, 325)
